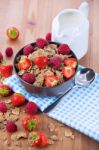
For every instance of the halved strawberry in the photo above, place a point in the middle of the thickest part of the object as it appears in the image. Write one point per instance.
(41, 61)
(51, 80)
(24, 63)
(30, 122)
(6, 70)
(39, 139)
(68, 72)
(71, 62)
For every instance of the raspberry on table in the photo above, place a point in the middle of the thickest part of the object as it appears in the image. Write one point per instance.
(31, 108)
(3, 107)
(9, 52)
(11, 126)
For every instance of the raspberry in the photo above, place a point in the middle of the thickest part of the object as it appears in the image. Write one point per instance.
(48, 37)
(31, 108)
(64, 49)
(9, 52)
(28, 77)
(3, 107)
(11, 126)
(28, 49)
(1, 57)
(55, 62)
(41, 42)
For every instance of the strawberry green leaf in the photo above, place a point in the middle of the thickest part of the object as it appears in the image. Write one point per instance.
(31, 124)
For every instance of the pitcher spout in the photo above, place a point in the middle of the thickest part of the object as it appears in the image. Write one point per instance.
(84, 8)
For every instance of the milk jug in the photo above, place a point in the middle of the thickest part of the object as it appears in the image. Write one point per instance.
(71, 26)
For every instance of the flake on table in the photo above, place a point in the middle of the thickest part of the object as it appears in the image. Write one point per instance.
(61, 139)
(68, 133)
(54, 137)
(8, 101)
(51, 142)
(18, 143)
(51, 127)
(16, 111)
(17, 135)
(7, 115)
(30, 138)
(2, 118)
(72, 136)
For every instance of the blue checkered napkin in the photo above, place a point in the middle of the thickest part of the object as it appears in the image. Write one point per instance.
(79, 109)
(16, 85)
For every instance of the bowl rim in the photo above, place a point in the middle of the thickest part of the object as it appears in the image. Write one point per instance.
(43, 87)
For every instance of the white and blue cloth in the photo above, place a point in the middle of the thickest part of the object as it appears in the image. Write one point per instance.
(79, 108)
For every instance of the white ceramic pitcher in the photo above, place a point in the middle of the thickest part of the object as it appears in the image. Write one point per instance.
(71, 26)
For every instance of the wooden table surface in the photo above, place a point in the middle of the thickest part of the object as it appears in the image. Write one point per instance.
(33, 18)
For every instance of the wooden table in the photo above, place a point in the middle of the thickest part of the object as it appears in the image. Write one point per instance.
(33, 18)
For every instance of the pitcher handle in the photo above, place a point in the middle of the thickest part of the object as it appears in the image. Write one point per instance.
(84, 8)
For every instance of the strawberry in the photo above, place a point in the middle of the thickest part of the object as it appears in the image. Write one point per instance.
(24, 63)
(6, 70)
(41, 61)
(68, 72)
(18, 99)
(30, 122)
(39, 139)
(5, 90)
(12, 33)
(51, 80)
(71, 62)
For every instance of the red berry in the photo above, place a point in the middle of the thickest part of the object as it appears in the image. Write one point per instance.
(6, 70)
(64, 49)
(48, 37)
(41, 42)
(3, 107)
(11, 126)
(55, 62)
(28, 77)
(1, 57)
(31, 108)
(28, 49)
(9, 52)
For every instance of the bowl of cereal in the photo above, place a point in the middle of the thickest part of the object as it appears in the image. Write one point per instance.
(46, 68)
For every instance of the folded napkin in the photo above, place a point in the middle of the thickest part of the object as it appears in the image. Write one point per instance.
(79, 108)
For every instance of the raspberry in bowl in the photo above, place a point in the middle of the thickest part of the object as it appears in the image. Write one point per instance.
(46, 68)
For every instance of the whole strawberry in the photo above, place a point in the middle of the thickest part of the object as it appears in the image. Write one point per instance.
(5, 90)
(11, 126)
(1, 57)
(3, 107)
(30, 122)
(12, 33)
(6, 70)
(31, 108)
(18, 99)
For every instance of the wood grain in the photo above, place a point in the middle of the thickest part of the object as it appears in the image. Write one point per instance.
(33, 18)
